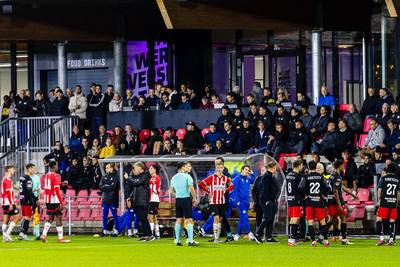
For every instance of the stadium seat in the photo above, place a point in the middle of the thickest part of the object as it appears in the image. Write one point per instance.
(110, 132)
(97, 214)
(347, 197)
(363, 194)
(70, 193)
(85, 214)
(205, 131)
(180, 134)
(143, 148)
(344, 107)
(362, 140)
(144, 135)
(358, 213)
(165, 135)
(82, 197)
(367, 127)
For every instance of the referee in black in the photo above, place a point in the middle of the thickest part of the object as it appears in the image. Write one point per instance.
(269, 193)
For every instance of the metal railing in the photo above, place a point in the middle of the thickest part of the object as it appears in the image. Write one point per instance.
(25, 139)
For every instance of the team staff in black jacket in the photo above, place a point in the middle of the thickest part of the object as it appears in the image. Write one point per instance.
(109, 186)
(269, 193)
(27, 200)
(138, 184)
(255, 193)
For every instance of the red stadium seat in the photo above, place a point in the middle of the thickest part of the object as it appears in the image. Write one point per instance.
(97, 214)
(346, 197)
(358, 213)
(344, 107)
(85, 214)
(143, 149)
(180, 134)
(205, 131)
(363, 194)
(144, 135)
(110, 132)
(165, 135)
(367, 127)
(70, 193)
(362, 140)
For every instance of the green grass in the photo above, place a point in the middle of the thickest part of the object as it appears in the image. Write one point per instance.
(95, 252)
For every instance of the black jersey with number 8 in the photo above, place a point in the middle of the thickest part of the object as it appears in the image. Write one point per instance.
(389, 185)
(294, 197)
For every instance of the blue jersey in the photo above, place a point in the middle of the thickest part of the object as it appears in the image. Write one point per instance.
(181, 183)
(241, 189)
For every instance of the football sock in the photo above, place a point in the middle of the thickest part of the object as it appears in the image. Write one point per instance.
(311, 232)
(152, 227)
(129, 232)
(157, 229)
(177, 232)
(22, 226)
(10, 228)
(190, 232)
(46, 228)
(217, 230)
(324, 231)
(291, 232)
(3, 228)
(60, 232)
(392, 229)
(36, 230)
(343, 230)
(379, 229)
(26, 226)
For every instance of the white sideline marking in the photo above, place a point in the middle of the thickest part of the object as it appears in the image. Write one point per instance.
(76, 247)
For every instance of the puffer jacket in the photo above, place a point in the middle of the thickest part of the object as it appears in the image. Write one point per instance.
(78, 106)
(139, 188)
(109, 185)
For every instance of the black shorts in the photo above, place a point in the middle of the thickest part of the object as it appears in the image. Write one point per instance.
(218, 209)
(10, 211)
(184, 208)
(153, 208)
(53, 209)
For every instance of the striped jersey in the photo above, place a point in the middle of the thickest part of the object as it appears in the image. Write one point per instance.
(52, 191)
(7, 192)
(216, 187)
(155, 184)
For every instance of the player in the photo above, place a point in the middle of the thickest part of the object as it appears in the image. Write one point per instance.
(37, 193)
(216, 186)
(8, 203)
(388, 197)
(26, 199)
(155, 184)
(241, 197)
(314, 189)
(336, 206)
(54, 203)
(295, 200)
(185, 194)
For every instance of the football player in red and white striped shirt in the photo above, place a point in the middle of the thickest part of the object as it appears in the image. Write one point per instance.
(8, 204)
(54, 202)
(216, 186)
(155, 184)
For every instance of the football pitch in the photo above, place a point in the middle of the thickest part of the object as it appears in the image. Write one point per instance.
(95, 252)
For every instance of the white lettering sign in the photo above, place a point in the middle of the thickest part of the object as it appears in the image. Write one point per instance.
(86, 63)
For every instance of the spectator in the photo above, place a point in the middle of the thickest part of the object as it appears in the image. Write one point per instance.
(246, 136)
(230, 100)
(88, 174)
(68, 93)
(66, 159)
(167, 148)
(250, 99)
(282, 99)
(298, 139)
(205, 104)
(115, 104)
(185, 104)
(238, 117)
(75, 175)
(78, 106)
(108, 150)
(96, 173)
(98, 106)
(213, 135)
(103, 135)
(253, 114)
(350, 171)
(84, 149)
(174, 98)
(41, 105)
(88, 134)
(152, 99)
(130, 100)
(215, 100)
(265, 115)
(193, 140)
(370, 104)
(208, 92)
(326, 145)
(230, 137)
(294, 115)
(5, 110)
(132, 139)
(56, 155)
(206, 150)
(326, 99)
(94, 150)
(225, 116)
(394, 109)
(165, 102)
(52, 95)
(384, 97)
(219, 148)
(319, 123)
(277, 140)
(306, 117)
(122, 149)
(118, 136)
(153, 143)
(376, 136)
(180, 149)
(23, 105)
(236, 94)
(184, 88)
(142, 104)
(109, 96)
(261, 139)
(392, 138)
(281, 116)
(384, 116)
(257, 92)
(345, 138)
(194, 99)
(267, 100)
(365, 173)
(75, 141)
(302, 99)
(169, 134)
(354, 119)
